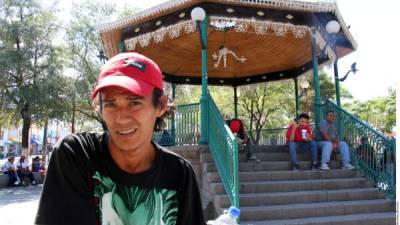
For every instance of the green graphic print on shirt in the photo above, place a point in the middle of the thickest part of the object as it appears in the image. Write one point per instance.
(122, 205)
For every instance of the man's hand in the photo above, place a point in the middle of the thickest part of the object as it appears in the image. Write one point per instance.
(334, 146)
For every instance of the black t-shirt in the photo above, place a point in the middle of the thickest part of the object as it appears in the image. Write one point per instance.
(83, 185)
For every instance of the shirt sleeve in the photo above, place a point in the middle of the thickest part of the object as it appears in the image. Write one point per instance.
(67, 197)
(190, 209)
(323, 127)
(288, 132)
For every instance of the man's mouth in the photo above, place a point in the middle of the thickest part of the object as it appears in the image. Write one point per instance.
(126, 132)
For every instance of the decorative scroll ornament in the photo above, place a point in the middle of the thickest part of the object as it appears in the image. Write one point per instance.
(223, 53)
(240, 25)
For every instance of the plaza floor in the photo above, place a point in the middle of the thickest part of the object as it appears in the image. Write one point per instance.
(18, 205)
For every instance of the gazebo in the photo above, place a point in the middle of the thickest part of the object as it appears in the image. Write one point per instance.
(233, 43)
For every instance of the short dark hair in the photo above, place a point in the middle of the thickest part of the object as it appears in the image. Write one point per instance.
(329, 111)
(303, 115)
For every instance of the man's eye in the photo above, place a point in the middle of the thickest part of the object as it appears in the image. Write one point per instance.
(134, 103)
(109, 105)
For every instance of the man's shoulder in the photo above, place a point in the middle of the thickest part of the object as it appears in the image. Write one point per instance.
(173, 156)
(77, 142)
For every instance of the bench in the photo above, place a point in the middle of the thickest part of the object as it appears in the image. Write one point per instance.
(4, 179)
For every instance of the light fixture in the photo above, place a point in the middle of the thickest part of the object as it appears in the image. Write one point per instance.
(137, 29)
(260, 13)
(198, 14)
(332, 27)
(158, 23)
(181, 15)
(230, 10)
(289, 16)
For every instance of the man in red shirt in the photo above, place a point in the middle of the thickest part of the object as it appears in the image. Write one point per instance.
(299, 139)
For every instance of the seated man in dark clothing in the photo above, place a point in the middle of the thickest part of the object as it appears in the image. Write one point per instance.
(237, 128)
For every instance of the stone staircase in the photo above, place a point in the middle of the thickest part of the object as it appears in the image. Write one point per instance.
(270, 193)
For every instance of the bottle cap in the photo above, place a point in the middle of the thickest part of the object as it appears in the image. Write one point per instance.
(234, 211)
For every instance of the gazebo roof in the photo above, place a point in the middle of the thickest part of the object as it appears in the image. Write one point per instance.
(262, 40)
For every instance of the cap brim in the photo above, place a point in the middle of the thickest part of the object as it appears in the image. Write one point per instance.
(137, 87)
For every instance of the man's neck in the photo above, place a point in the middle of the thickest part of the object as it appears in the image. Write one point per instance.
(135, 160)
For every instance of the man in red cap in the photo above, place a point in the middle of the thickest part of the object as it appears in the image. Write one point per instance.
(121, 176)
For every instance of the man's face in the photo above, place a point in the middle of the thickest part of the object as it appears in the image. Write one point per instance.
(330, 117)
(129, 118)
(303, 122)
(22, 158)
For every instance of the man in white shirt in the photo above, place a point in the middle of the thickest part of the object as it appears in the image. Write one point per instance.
(23, 170)
(9, 169)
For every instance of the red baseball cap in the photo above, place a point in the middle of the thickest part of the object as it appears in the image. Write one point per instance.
(131, 71)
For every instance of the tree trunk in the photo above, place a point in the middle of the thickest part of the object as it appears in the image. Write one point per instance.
(44, 143)
(26, 125)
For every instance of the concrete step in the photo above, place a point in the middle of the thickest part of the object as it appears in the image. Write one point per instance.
(270, 166)
(280, 198)
(383, 218)
(214, 177)
(296, 185)
(265, 156)
(295, 211)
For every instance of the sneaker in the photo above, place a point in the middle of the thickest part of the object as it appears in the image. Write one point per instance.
(16, 183)
(324, 166)
(296, 167)
(253, 158)
(348, 166)
(314, 166)
(33, 182)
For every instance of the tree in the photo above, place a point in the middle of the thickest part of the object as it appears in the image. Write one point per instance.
(26, 38)
(379, 112)
(267, 105)
(84, 46)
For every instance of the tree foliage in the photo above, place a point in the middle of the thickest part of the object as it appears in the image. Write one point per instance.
(27, 56)
(379, 112)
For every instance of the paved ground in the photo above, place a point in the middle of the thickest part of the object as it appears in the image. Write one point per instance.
(18, 205)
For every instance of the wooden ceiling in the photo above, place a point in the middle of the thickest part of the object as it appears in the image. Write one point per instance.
(264, 53)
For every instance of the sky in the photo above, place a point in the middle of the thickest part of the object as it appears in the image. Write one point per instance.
(372, 24)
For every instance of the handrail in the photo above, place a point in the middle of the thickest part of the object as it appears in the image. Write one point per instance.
(224, 149)
(371, 152)
(182, 129)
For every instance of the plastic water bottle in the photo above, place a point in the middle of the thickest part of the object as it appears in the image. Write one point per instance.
(227, 218)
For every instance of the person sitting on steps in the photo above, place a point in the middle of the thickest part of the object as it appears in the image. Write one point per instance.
(245, 143)
(299, 139)
(328, 140)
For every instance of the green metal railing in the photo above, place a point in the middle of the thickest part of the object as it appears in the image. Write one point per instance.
(182, 129)
(271, 137)
(224, 149)
(371, 151)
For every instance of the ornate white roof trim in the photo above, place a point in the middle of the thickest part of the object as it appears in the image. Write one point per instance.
(319, 6)
(143, 14)
(241, 25)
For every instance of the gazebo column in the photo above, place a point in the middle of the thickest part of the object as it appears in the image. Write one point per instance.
(337, 85)
(204, 82)
(317, 100)
(296, 94)
(173, 115)
(235, 101)
(337, 88)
